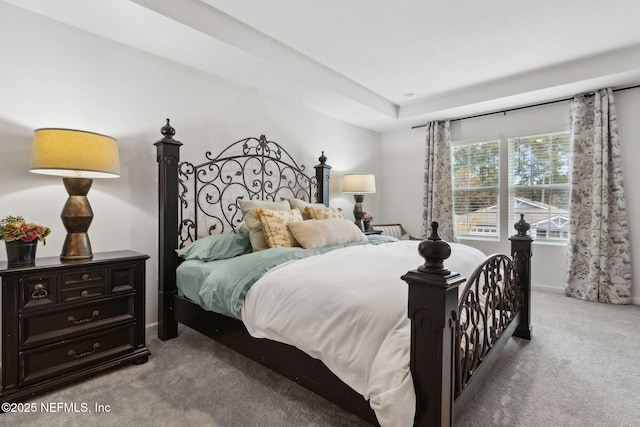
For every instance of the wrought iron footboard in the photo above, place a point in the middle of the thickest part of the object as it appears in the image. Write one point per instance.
(488, 304)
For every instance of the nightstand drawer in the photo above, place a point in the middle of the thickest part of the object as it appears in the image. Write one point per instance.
(123, 278)
(83, 278)
(47, 361)
(83, 283)
(72, 294)
(40, 328)
(36, 291)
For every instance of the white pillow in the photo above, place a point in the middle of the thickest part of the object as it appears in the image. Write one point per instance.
(248, 208)
(318, 233)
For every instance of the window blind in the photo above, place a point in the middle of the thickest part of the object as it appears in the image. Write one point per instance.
(476, 172)
(539, 167)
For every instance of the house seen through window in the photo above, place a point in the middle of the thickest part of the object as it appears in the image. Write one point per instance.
(537, 167)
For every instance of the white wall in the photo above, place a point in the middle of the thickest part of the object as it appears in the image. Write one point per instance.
(403, 154)
(56, 76)
(627, 108)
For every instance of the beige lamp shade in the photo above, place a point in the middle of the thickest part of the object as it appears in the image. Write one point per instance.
(74, 153)
(359, 184)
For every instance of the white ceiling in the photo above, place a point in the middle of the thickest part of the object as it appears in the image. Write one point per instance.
(356, 60)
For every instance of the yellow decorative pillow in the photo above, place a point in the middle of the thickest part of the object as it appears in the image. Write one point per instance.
(324, 212)
(248, 208)
(316, 234)
(274, 226)
(302, 205)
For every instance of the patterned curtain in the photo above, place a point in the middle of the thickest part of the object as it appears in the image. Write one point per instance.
(599, 255)
(438, 196)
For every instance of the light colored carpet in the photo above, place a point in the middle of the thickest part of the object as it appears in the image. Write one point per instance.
(580, 369)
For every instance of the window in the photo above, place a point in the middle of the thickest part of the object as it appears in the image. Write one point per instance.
(475, 188)
(537, 186)
(539, 183)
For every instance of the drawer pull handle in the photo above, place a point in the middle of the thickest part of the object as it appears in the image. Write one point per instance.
(85, 353)
(84, 276)
(39, 292)
(84, 293)
(73, 319)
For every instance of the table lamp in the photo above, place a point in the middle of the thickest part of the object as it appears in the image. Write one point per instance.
(78, 157)
(360, 185)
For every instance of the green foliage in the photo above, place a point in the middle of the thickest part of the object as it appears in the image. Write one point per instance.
(476, 170)
(15, 228)
(541, 160)
(10, 219)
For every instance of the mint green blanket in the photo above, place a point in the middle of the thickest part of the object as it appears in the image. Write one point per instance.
(221, 285)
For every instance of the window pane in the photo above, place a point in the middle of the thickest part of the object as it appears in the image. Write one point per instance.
(475, 188)
(476, 165)
(540, 159)
(476, 212)
(549, 219)
(539, 183)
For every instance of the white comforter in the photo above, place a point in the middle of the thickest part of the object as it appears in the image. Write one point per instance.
(348, 308)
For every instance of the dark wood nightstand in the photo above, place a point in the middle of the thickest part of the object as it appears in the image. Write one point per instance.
(372, 232)
(65, 320)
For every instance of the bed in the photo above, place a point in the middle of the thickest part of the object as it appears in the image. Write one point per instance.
(448, 335)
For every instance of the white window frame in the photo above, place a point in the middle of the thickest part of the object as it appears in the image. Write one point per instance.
(505, 221)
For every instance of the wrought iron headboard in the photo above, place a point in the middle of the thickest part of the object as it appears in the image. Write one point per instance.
(270, 165)
(249, 169)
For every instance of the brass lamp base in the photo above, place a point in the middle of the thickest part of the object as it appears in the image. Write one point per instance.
(358, 210)
(76, 217)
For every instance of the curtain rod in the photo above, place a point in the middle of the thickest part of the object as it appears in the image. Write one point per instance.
(507, 110)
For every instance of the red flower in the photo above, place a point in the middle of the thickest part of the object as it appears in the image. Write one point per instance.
(15, 228)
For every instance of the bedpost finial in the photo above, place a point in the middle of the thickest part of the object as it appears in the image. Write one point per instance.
(521, 226)
(434, 232)
(434, 250)
(167, 130)
(322, 158)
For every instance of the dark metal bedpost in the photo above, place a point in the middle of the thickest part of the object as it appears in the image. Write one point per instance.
(521, 254)
(433, 303)
(168, 157)
(323, 171)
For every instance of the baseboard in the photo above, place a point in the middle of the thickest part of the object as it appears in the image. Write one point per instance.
(151, 325)
(547, 288)
(560, 291)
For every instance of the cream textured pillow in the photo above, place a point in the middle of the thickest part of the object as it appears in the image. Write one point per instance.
(301, 205)
(324, 212)
(248, 208)
(316, 234)
(274, 226)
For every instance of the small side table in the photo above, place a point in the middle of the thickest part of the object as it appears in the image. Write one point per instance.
(65, 320)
